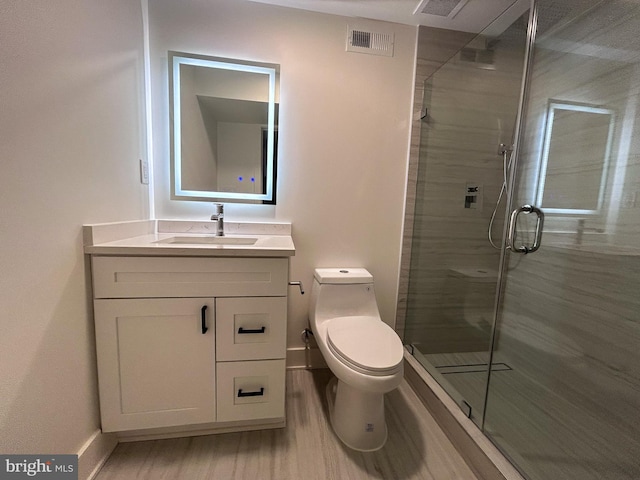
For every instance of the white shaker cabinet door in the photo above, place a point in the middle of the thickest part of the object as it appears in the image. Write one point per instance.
(156, 362)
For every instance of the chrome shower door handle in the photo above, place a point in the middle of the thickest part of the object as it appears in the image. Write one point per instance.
(511, 232)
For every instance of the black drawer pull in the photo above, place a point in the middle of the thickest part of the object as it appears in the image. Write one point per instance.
(203, 317)
(248, 330)
(251, 394)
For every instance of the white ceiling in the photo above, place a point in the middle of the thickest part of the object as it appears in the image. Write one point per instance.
(474, 16)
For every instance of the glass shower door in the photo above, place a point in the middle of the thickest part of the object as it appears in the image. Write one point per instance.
(470, 108)
(568, 324)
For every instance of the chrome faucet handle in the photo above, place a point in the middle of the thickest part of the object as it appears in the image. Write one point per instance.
(218, 216)
(219, 210)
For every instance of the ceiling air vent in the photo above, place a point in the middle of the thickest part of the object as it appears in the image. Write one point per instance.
(440, 8)
(364, 41)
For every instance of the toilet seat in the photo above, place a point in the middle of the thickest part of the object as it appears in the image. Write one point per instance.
(366, 344)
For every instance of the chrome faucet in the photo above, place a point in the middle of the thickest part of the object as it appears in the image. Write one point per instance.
(218, 216)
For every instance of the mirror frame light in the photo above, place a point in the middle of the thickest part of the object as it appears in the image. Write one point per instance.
(176, 59)
(544, 160)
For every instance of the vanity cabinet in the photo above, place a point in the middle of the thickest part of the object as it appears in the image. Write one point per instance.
(184, 341)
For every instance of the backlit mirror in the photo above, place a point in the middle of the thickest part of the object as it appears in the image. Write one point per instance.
(223, 117)
(575, 158)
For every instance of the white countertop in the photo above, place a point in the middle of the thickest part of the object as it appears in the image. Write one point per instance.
(152, 238)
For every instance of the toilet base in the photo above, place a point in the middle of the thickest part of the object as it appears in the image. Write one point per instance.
(357, 417)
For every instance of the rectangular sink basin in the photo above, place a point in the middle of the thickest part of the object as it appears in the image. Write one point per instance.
(210, 240)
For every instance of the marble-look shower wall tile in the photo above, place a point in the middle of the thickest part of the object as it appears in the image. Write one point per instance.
(576, 77)
(570, 330)
(435, 47)
(470, 111)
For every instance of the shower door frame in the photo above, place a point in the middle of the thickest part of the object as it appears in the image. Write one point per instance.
(510, 201)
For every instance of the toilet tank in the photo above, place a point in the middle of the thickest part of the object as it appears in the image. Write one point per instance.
(342, 292)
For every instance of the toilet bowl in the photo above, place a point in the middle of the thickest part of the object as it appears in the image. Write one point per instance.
(362, 351)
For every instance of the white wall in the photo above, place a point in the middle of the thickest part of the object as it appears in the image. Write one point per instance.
(343, 133)
(70, 139)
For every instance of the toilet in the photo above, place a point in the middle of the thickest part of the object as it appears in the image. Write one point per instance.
(362, 351)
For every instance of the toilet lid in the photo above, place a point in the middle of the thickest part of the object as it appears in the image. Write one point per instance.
(366, 343)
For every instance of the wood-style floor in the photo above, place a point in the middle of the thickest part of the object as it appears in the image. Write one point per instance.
(306, 449)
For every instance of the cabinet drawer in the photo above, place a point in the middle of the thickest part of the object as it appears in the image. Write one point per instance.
(251, 328)
(129, 277)
(250, 390)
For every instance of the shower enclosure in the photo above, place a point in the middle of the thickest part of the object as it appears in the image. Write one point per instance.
(530, 141)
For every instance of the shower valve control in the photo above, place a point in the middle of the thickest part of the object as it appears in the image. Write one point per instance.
(473, 196)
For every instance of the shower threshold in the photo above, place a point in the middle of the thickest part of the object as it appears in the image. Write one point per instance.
(478, 451)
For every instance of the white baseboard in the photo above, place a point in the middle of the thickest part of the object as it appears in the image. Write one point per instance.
(300, 357)
(94, 453)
